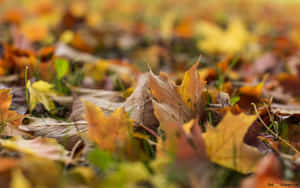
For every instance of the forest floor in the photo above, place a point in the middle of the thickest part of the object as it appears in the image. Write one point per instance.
(153, 94)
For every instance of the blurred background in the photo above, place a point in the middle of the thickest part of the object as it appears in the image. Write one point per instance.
(168, 35)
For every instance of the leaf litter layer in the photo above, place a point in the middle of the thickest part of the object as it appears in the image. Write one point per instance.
(149, 93)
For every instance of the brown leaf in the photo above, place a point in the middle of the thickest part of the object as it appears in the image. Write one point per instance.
(107, 100)
(168, 105)
(66, 133)
(184, 141)
(139, 104)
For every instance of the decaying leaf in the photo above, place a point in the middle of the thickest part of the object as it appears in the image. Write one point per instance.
(169, 105)
(108, 101)
(225, 146)
(8, 117)
(139, 104)
(175, 103)
(66, 133)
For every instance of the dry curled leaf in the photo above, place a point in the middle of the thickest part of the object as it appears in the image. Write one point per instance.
(139, 104)
(168, 105)
(175, 103)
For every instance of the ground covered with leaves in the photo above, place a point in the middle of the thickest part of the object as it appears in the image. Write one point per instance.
(153, 94)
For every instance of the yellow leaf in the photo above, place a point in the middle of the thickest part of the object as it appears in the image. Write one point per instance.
(110, 133)
(67, 36)
(191, 90)
(225, 146)
(216, 40)
(97, 71)
(188, 126)
(167, 25)
(42, 86)
(40, 92)
(41, 147)
(19, 180)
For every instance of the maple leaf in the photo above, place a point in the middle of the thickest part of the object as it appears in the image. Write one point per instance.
(225, 146)
(229, 41)
(177, 103)
(111, 132)
(7, 116)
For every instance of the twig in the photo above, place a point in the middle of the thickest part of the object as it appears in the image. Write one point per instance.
(272, 132)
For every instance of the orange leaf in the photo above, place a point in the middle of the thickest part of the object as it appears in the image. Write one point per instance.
(109, 133)
(8, 117)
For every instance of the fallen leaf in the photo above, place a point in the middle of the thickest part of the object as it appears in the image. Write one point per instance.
(184, 141)
(8, 117)
(42, 147)
(49, 172)
(40, 92)
(168, 105)
(19, 180)
(175, 103)
(108, 101)
(225, 146)
(216, 40)
(6, 168)
(252, 90)
(139, 104)
(66, 133)
(191, 90)
(268, 175)
(109, 133)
